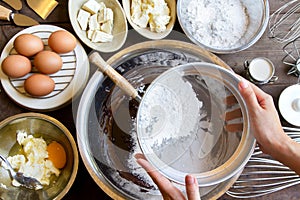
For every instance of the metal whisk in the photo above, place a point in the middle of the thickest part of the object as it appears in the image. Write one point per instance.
(284, 23)
(264, 175)
(292, 56)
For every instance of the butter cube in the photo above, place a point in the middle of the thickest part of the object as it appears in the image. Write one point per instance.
(100, 36)
(107, 27)
(105, 15)
(109, 15)
(102, 15)
(90, 34)
(102, 6)
(83, 18)
(91, 6)
(93, 23)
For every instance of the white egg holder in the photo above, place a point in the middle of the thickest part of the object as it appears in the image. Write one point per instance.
(69, 81)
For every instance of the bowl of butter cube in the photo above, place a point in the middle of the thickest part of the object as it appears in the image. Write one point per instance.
(153, 19)
(100, 24)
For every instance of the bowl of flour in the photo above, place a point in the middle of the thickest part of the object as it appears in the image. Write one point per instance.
(180, 128)
(225, 26)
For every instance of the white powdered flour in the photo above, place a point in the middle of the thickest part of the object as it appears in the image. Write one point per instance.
(216, 23)
(170, 109)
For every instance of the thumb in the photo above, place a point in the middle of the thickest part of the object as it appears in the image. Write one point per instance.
(192, 188)
(248, 94)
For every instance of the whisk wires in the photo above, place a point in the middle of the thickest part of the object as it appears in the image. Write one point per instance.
(284, 23)
(264, 175)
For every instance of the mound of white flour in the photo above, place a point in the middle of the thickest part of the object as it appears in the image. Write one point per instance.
(216, 23)
(169, 111)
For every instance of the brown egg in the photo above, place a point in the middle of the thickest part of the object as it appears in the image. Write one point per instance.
(16, 66)
(47, 62)
(28, 44)
(39, 85)
(62, 41)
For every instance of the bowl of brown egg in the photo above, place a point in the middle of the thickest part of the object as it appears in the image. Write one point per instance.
(40, 147)
(43, 67)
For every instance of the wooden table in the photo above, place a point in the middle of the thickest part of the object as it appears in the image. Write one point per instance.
(84, 186)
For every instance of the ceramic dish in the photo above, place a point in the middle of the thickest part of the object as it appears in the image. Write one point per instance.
(146, 31)
(50, 130)
(69, 81)
(289, 104)
(120, 28)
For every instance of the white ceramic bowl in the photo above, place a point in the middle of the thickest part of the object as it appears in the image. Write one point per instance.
(146, 31)
(258, 17)
(120, 28)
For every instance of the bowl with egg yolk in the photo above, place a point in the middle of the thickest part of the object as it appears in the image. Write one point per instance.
(41, 147)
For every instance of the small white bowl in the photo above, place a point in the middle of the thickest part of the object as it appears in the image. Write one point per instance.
(120, 28)
(146, 31)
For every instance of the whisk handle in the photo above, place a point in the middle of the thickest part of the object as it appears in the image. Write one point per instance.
(117, 78)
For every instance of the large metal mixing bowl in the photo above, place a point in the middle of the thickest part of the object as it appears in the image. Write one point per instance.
(106, 128)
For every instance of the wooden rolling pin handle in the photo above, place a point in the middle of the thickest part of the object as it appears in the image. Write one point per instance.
(4, 13)
(117, 78)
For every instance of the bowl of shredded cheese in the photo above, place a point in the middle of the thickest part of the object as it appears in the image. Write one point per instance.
(40, 147)
(223, 26)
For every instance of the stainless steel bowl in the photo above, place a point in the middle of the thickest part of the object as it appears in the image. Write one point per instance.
(258, 17)
(106, 130)
(51, 130)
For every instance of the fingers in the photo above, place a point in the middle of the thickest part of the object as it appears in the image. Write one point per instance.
(167, 189)
(192, 188)
(252, 94)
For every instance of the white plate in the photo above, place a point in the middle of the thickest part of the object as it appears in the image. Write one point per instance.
(69, 81)
(287, 104)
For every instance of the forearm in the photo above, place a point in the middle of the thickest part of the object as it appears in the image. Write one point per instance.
(288, 153)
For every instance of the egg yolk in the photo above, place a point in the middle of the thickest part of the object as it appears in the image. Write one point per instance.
(57, 154)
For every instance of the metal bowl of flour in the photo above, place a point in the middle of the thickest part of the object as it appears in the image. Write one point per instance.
(106, 119)
(223, 26)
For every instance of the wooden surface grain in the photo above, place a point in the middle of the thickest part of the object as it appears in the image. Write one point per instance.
(84, 186)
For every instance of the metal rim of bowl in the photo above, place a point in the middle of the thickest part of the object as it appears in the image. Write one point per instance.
(86, 103)
(254, 39)
(67, 133)
(240, 156)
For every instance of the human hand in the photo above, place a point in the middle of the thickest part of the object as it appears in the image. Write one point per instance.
(264, 119)
(167, 189)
